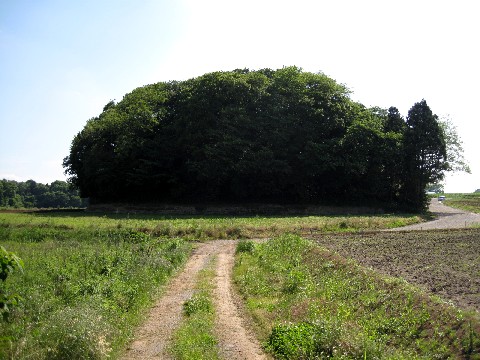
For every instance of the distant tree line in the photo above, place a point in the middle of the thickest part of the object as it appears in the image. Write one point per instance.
(30, 194)
(283, 136)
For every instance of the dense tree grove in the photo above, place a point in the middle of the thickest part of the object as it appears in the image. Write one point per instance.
(30, 194)
(284, 136)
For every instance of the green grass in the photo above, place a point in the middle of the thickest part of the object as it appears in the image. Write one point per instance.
(195, 227)
(467, 202)
(309, 303)
(195, 339)
(83, 290)
(88, 278)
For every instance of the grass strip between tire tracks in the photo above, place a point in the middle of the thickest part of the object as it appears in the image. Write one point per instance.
(195, 339)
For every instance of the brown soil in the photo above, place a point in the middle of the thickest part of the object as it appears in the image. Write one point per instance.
(445, 260)
(442, 262)
(235, 341)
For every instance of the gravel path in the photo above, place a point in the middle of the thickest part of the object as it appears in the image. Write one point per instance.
(447, 218)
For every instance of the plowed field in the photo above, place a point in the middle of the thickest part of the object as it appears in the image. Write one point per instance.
(443, 262)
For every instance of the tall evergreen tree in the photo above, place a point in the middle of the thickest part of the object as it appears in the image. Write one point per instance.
(425, 154)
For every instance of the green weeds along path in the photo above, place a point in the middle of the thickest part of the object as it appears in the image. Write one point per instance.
(309, 303)
(195, 338)
(82, 290)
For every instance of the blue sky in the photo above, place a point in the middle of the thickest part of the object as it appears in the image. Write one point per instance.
(62, 61)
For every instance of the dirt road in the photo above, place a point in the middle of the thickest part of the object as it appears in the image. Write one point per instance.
(446, 218)
(235, 341)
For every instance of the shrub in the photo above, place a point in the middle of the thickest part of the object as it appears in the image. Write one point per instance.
(319, 340)
(8, 263)
(245, 246)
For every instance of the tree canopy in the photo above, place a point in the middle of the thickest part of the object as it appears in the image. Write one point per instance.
(30, 194)
(284, 136)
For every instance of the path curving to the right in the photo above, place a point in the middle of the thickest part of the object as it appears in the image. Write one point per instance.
(446, 218)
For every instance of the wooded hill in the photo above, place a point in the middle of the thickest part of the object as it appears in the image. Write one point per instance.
(277, 136)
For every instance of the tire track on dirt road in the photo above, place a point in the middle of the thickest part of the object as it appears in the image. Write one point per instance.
(236, 342)
(153, 338)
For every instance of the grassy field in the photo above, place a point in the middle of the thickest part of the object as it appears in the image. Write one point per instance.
(308, 302)
(467, 202)
(84, 290)
(88, 277)
(197, 227)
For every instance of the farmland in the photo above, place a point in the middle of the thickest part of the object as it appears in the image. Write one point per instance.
(31, 226)
(308, 302)
(445, 263)
(88, 280)
(467, 202)
(83, 290)
(93, 274)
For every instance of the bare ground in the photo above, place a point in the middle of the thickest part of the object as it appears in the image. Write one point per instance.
(235, 341)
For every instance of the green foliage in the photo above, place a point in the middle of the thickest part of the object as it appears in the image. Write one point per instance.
(75, 333)
(454, 155)
(199, 302)
(30, 194)
(425, 155)
(306, 340)
(84, 288)
(245, 246)
(8, 263)
(254, 136)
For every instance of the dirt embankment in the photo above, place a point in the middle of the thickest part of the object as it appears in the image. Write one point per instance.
(235, 341)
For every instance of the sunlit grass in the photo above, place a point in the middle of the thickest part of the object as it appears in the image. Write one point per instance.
(467, 202)
(209, 227)
(310, 303)
(83, 290)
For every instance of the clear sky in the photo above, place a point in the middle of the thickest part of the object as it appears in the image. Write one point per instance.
(62, 61)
